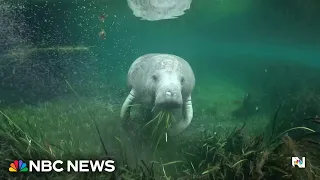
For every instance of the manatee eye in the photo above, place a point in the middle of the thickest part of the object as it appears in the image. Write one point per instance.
(182, 80)
(155, 78)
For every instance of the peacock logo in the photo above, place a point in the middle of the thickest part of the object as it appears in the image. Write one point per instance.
(18, 166)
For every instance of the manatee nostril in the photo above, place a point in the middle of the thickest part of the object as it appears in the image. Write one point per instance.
(168, 93)
(155, 78)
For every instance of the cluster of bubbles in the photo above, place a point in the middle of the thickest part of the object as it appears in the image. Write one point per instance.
(29, 69)
(12, 27)
(39, 50)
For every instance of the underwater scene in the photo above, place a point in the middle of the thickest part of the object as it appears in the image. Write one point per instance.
(160, 89)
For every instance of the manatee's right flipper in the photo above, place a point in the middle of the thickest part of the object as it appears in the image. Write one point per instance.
(126, 107)
(187, 118)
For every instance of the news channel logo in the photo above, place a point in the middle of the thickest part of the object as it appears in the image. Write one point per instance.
(297, 162)
(56, 166)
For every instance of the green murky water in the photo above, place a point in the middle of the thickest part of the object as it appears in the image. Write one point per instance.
(60, 74)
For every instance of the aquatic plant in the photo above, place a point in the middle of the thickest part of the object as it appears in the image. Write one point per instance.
(210, 156)
(207, 157)
(217, 158)
(239, 157)
(162, 122)
(17, 144)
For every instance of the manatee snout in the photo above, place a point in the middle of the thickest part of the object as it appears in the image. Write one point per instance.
(169, 96)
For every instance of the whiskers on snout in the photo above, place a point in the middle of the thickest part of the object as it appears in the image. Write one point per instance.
(168, 100)
(169, 105)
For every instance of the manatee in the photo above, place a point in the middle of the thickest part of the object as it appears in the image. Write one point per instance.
(155, 10)
(161, 81)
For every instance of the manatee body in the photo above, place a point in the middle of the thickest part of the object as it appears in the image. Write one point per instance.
(161, 81)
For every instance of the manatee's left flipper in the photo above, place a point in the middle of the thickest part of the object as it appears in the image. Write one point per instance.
(126, 107)
(181, 125)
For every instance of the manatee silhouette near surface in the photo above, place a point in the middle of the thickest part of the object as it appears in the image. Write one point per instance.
(155, 10)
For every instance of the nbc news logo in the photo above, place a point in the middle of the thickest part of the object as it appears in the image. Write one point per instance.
(296, 161)
(18, 166)
(57, 166)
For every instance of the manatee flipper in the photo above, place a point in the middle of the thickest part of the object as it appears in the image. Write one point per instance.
(187, 118)
(126, 107)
